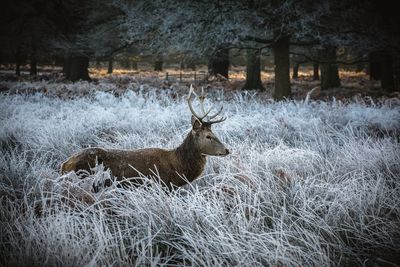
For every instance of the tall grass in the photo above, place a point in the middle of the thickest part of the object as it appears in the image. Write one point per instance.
(306, 184)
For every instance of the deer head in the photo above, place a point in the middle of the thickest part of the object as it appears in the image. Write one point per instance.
(205, 139)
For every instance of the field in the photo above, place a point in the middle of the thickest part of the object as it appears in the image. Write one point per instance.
(308, 183)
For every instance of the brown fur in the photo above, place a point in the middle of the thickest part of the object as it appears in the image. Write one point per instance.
(187, 160)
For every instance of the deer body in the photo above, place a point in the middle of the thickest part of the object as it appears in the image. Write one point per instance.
(175, 167)
(170, 165)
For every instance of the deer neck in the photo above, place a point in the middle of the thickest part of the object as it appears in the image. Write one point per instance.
(191, 159)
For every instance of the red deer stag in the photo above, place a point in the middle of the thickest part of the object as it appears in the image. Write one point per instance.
(187, 160)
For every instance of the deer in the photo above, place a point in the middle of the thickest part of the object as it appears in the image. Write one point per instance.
(175, 167)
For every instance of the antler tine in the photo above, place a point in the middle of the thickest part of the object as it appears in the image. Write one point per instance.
(216, 114)
(191, 91)
(189, 100)
(201, 99)
(220, 120)
(203, 95)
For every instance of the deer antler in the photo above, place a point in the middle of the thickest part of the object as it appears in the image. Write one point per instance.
(201, 98)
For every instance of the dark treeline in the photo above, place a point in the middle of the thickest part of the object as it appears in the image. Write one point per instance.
(322, 34)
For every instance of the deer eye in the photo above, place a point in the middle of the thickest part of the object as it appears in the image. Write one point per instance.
(208, 136)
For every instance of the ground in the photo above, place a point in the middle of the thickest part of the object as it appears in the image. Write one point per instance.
(354, 85)
(307, 183)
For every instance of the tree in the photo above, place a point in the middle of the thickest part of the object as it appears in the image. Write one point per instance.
(297, 61)
(374, 66)
(372, 29)
(387, 81)
(384, 44)
(25, 28)
(104, 37)
(33, 60)
(282, 68)
(296, 66)
(70, 21)
(315, 71)
(329, 69)
(218, 63)
(209, 28)
(110, 65)
(253, 73)
(158, 63)
(76, 67)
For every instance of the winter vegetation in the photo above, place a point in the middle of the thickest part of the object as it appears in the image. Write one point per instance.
(307, 183)
(307, 171)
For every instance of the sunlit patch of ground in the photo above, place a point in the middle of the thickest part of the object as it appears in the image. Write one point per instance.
(353, 84)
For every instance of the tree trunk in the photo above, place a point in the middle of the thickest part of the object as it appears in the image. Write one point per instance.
(126, 63)
(18, 62)
(329, 69)
(396, 70)
(375, 71)
(18, 69)
(33, 62)
(387, 75)
(191, 65)
(263, 63)
(253, 71)
(315, 71)
(282, 68)
(218, 63)
(360, 67)
(110, 65)
(98, 63)
(66, 65)
(58, 61)
(76, 68)
(295, 74)
(158, 65)
(134, 65)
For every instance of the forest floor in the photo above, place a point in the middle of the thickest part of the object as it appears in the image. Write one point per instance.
(308, 183)
(354, 85)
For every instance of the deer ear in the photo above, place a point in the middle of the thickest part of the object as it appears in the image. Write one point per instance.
(196, 124)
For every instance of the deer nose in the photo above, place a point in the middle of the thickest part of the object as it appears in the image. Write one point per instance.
(226, 151)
